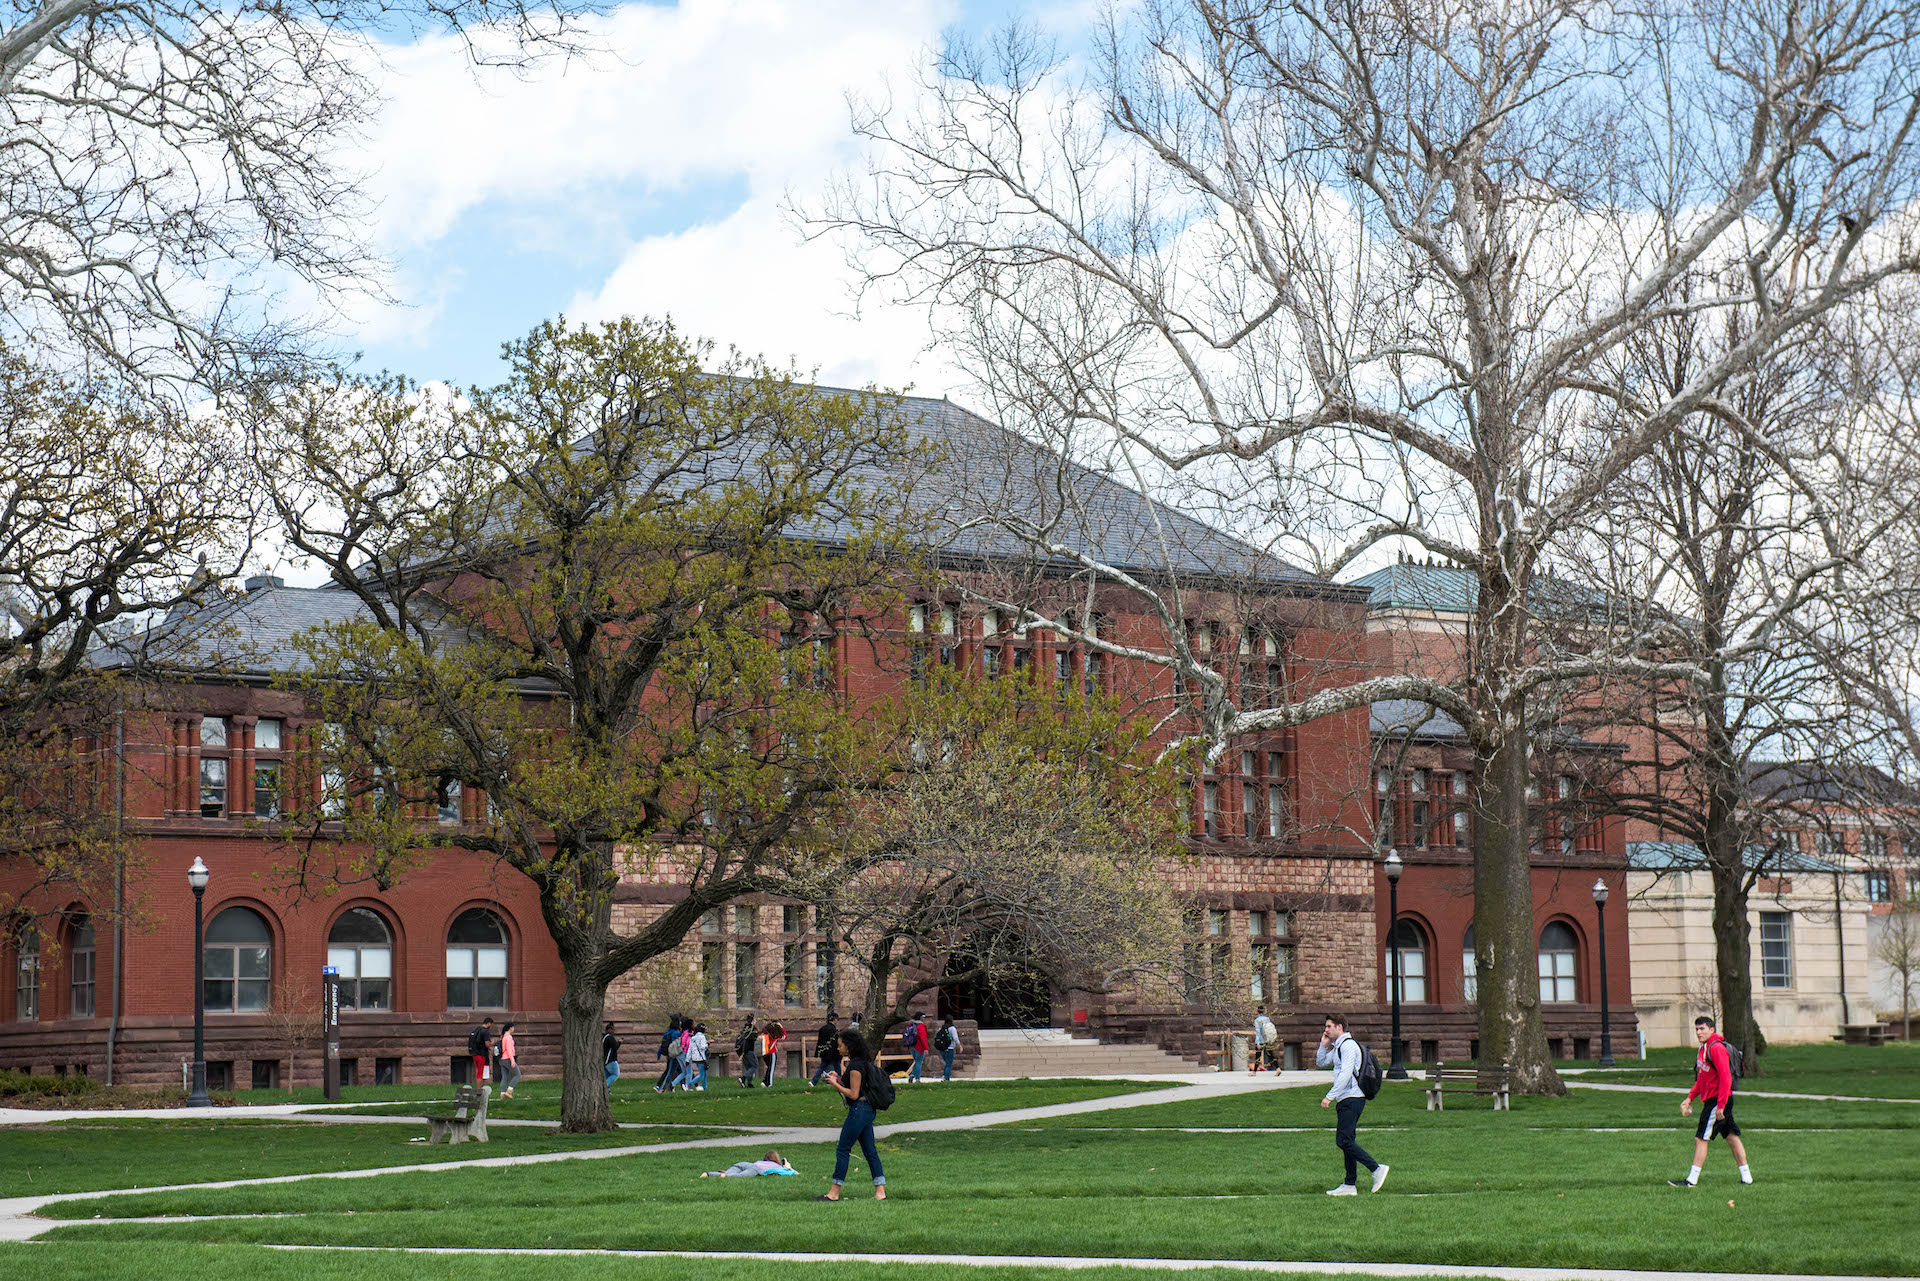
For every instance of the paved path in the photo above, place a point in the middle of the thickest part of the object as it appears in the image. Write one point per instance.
(1171, 1265)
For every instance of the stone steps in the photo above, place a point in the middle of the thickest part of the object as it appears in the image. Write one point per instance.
(1058, 1054)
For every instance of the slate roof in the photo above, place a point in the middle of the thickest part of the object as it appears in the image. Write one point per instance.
(986, 468)
(1448, 589)
(1684, 856)
(1400, 717)
(247, 635)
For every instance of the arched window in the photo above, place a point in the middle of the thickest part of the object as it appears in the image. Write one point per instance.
(1469, 969)
(239, 960)
(1412, 947)
(26, 976)
(477, 962)
(360, 947)
(80, 971)
(1558, 971)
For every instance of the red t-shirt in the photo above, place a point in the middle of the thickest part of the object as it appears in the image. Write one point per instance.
(920, 1037)
(1713, 1074)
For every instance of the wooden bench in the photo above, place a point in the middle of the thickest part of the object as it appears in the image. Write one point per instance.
(1862, 1034)
(468, 1120)
(1489, 1081)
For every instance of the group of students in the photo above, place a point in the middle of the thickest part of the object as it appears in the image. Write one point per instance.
(685, 1050)
(488, 1050)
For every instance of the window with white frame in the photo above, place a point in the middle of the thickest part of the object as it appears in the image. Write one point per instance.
(238, 961)
(360, 947)
(1559, 963)
(477, 961)
(1469, 969)
(1776, 949)
(213, 766)
(26, 976)
(1410, 945)
(80, 970)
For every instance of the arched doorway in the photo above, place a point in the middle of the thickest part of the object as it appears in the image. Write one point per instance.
(1010, 995)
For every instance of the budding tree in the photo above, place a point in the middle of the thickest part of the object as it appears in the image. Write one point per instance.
(1369, 271)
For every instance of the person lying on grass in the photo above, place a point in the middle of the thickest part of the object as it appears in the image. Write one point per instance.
(771, 1163)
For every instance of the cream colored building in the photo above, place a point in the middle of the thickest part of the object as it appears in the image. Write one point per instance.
(1802, 945)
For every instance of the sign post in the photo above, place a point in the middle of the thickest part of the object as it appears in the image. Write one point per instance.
(330, 1021)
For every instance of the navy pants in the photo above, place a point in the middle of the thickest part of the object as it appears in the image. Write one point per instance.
(857, 1127)
(1344, 1136)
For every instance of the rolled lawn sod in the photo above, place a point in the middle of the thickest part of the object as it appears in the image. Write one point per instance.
(1493, 1190)
(81, 1156)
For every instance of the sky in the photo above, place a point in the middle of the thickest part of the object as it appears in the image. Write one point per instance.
(649, 181)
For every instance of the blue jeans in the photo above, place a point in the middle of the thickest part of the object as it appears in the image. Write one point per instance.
(698, 1071)
(668, 1075)
(1344, 1136)
(858, 1125)
(826, 1066)
(613, 1072)
(919, 1058)
(946, 1065)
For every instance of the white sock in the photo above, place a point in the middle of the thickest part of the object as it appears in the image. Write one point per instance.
(1693, 1175)
(1746, 1175)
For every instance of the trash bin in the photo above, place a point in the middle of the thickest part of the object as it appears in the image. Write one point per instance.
(1239, 1046)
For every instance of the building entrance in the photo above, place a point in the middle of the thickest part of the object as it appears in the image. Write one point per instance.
(1007, 996)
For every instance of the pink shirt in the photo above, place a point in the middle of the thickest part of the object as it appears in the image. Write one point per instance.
(506, 1045)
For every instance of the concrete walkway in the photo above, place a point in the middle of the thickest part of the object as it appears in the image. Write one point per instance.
(1171, 1265)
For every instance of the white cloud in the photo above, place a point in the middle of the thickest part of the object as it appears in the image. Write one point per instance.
(711, 92)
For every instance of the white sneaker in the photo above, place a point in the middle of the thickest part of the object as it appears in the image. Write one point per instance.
(1380, 1177)
(1345, 1189)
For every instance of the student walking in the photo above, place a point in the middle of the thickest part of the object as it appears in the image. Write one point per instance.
(480, 1048)
(771, 1039)
(1342, 1053)
(695, 1077)
(669, 1050)
(826, 1048)
(1713, 1086)
(948, 1042)
(1264, 1037)
(915, 1040)
(855, 1080)
(509, 1062)
(610, 1053)
(747, 1046)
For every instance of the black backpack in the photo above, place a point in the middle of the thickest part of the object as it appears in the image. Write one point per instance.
(743, 1044)
(477, 1041)
(876, 1087)
(1369, 1076)
(1736, 1061)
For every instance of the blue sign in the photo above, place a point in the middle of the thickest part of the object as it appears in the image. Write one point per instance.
(328, 969)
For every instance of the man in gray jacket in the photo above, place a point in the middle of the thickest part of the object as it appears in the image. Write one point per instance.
(1342, 1053)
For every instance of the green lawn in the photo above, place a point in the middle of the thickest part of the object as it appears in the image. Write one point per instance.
(1469, 1189)
(93, 1261)
(1876, 1072)
(1405, 1105)
(81, 1156)
(791, 1103)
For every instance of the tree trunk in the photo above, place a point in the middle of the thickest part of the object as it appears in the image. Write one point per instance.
(583, 1092)
(1506, 950)
(1733, 951)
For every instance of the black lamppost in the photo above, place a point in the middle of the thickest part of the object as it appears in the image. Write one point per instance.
(1398, 1070)
(197, 877)
(1606, 1028)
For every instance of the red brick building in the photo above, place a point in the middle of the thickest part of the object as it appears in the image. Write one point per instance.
(1286, 903)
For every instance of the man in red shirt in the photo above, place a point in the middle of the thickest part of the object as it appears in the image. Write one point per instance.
(1713, 1086)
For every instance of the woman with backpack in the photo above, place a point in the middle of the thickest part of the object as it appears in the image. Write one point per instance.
(695, 1075)
(770, 1042)
(670, 1051)
(509, 1062)
(867, 1092)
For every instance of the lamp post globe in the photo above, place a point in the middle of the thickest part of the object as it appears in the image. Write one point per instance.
(197, 877)
(1606, 1024)
(1397, 1071)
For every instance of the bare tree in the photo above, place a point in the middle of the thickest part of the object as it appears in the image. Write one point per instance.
(175, 169)
(1898, 949)
(1028, 841)
(113, 510)
(297, 1024)
(1368, 272)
